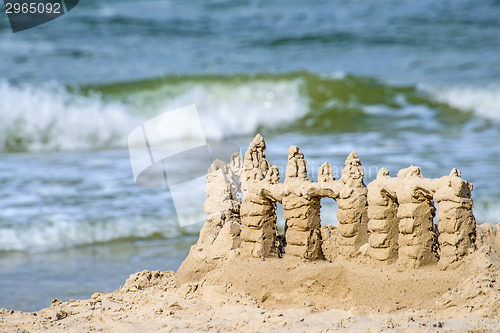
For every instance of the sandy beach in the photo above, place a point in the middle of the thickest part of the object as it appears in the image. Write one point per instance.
(238, 293)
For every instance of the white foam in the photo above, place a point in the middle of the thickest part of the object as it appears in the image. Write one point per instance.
(484, 101)
(49, 118)
(64, 232)
(227, 110)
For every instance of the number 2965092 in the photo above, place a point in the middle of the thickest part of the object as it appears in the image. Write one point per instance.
(32, 8)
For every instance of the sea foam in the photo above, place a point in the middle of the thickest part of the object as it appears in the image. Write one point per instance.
(483, 101)
(50, 118)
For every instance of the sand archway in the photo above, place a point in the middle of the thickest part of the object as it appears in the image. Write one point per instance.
(392, 216)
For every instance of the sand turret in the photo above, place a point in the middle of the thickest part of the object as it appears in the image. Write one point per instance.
(302, 213)
(456, 223)
(352, 207)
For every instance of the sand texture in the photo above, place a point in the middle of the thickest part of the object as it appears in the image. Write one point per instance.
(385, 266)
(238, 293)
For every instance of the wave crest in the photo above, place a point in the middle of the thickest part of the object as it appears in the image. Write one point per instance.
(52, 117)
(49, 118)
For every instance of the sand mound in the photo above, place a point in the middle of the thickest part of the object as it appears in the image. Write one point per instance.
(345, 283)
(251, 294)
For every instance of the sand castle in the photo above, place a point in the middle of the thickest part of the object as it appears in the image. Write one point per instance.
(242, 275)
(390, 220)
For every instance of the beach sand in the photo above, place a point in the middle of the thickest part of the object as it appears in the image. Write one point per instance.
(239, 293)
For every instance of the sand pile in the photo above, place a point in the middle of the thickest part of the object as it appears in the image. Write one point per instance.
(250, 294)
(385, 266)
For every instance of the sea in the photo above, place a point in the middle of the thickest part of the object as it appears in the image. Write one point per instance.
(401, 82)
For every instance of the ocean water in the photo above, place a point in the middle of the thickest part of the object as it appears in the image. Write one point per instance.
(400, 82)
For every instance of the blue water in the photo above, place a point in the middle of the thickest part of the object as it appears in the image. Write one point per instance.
(400, 82)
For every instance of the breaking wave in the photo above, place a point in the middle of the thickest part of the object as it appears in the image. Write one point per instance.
(52, 117)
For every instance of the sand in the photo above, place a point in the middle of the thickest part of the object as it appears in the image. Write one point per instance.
(246, 294)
